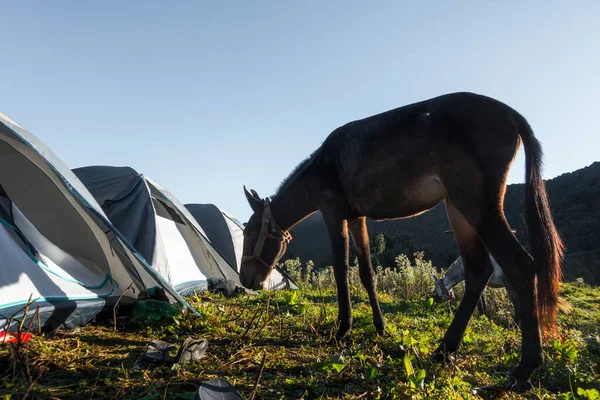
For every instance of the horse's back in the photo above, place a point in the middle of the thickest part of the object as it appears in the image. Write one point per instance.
(454, 119)
(397, 163)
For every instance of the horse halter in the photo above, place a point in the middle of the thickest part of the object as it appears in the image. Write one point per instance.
(269, 230)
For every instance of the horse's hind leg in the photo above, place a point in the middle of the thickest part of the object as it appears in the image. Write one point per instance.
(478, 269)
(481, 307)
(486, 215)
(514, 299)
(360, 237)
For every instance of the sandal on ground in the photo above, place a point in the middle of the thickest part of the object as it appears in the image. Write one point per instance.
(158, 350)
(191, 350)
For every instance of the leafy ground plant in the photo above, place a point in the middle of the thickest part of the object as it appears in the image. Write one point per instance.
(294, 332)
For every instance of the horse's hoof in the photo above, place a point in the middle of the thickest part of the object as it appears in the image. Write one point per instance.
(512, 384)
(337, 341)
(489, 391)
(439, 356)
(341, 338)
(519, 377)
(518, 381)
(342, 333)
(518, 385)
(380, 330)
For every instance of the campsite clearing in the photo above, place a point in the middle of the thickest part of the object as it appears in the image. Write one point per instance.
(95, 362)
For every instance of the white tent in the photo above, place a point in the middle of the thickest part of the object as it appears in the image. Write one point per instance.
(226, 234)
(56, 243)
(158, 226)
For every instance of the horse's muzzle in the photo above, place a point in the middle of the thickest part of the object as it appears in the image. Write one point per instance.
(250, 280)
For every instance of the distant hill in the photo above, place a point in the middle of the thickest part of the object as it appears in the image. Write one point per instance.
(574, 200)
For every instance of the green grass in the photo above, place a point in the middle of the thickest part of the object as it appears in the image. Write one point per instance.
(294, 331)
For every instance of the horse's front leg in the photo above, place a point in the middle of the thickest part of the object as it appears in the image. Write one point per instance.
(360, 236)
(338, 234)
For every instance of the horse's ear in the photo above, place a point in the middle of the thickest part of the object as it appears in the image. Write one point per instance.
(255, 194)
(254, 201)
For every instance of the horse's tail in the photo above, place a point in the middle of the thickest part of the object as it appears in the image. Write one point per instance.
(564, 306)
(546, 244)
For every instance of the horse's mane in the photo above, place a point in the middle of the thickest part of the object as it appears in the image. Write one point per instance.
(303, 164)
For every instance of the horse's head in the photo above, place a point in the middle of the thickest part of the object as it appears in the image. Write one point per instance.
(440, 290)
(264, 243)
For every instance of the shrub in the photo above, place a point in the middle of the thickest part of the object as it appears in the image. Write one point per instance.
(406, 281)
(414, 282)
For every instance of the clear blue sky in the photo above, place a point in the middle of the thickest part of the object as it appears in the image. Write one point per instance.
(207, 96)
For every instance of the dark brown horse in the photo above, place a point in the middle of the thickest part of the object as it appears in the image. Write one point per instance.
(457, 148)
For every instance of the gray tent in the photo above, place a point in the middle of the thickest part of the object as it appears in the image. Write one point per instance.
(226, 234)
(158, 226)
(56, 243)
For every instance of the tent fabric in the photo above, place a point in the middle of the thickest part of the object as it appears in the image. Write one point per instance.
(123, 196)
(226, 234)
(64, 297)
(158, 226)
(212, 221)
(56, 242)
